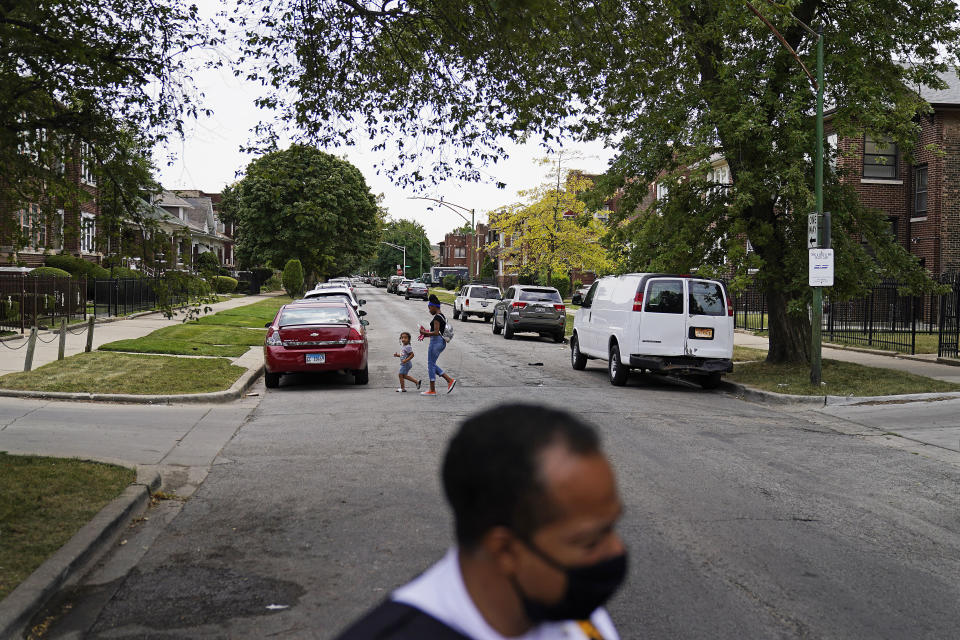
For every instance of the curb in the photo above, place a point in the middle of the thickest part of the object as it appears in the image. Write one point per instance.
(769, 397)
(236, 391)
(67, 563)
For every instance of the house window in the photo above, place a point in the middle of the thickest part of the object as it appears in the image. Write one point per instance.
(833, 150)
(461, 252)
(33, 227)
(86, 165)
(879, 159)
(88, 233)
(662, 192)
(920, 192)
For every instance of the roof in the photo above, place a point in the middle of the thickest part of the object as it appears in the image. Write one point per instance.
(950, 95)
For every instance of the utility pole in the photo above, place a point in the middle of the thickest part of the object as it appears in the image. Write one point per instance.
(473, 227)
(399, 248)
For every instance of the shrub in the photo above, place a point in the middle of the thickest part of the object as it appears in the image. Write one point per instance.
(224, 284)
(77, 267)
(9, 310)
(49, 272)
(293, 278)
(243, 286)
(273, 283)
(562, 284)
(124, 272)
(577, 285)
(450, 282)
(207, 263)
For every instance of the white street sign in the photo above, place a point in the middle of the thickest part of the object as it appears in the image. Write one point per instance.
(821, 267)
(812, 230)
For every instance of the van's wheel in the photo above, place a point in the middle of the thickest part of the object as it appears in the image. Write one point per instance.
(496, 327)
(362, 376)
(711, 380)
(456, 314)
(272, 380)
(618, 372)
(577, 360)
(507, 329)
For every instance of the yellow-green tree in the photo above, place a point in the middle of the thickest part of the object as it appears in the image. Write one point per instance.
(551, 231)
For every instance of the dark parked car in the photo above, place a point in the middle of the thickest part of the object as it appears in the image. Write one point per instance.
(321, 336)
(529, 308)
(417, 289)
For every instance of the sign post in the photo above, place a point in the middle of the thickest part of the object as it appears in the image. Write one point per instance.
(816, 319)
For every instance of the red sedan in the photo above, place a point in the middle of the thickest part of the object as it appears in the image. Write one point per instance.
(319, 336)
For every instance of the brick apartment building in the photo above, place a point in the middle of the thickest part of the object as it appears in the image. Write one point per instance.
(455, 249)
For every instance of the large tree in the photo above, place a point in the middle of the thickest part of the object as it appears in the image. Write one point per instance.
(552, 231)
(86, 81)
(306, 204)
(403, 233)
(671, 84)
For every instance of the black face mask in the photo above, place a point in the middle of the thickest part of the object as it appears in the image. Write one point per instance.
(588, 587)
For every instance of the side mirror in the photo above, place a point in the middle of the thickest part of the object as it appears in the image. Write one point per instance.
(362, 302)
(576, 299)
(268, 325)
(361, 313)
(364, 322)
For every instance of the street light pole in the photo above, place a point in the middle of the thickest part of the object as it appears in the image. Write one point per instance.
(400, 248)
(473, 227)
(816, 315)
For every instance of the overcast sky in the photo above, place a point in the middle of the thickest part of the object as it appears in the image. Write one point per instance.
(209, 157)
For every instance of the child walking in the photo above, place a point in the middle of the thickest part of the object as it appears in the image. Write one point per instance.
(406, 355)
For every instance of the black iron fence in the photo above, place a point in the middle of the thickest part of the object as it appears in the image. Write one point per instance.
(27, 301)
(122, 296)
(883, 319)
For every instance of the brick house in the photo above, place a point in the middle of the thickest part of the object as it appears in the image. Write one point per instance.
(68, 227)
(922, 199)
(455, 249)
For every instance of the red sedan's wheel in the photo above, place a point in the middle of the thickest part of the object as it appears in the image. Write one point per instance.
(272, 380)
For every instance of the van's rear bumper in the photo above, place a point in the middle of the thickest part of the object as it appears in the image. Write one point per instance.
(681, 364)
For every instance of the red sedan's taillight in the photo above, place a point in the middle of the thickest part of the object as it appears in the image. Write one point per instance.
(354, 337)
(273, 339)
(518, 305)
(638, 301)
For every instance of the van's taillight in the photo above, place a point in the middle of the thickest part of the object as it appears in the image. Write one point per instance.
(638, 301)
(729, 306)
(518, 305)
(560, 307)
(467, 302)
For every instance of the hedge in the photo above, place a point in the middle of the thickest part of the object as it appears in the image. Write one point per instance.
(293, 278)
(224, 284)
(50, 272)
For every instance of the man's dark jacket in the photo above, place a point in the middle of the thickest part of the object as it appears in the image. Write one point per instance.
(397, 621)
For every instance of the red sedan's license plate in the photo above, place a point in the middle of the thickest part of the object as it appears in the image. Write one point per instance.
(703, 332)
(316, 358)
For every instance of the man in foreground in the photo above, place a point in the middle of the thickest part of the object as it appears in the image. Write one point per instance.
(535, 503)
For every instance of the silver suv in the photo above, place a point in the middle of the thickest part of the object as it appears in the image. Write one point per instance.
(530, 308)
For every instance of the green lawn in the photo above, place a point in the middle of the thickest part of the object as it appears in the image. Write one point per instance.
(840, 379)
(105, 372)
(43, 503)
(925, 342)
(193, 339)
(251, 315)
(444, 295)
(745, 354)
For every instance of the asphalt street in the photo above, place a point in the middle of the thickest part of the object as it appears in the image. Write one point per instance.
(742, 520)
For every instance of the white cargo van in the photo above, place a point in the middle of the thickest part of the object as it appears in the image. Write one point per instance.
(658, 322)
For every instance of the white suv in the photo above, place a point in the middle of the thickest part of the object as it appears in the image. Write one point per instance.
(476, 300)
(658, 322)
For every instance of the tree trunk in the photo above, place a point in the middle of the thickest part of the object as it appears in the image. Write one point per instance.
(789, 335)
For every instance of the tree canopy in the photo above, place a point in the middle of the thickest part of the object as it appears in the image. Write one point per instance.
(404, 233)
(552, 232)
(671, 84)
(304, 204)
(87, 81)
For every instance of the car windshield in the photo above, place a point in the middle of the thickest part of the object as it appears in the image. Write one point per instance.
(485, 292)
(540, 295)
(316, 315)
(706, 299)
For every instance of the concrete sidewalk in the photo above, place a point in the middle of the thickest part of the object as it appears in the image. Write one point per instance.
(12, 352)
(919, 365)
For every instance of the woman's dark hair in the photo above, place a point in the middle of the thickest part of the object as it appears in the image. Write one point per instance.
(433, 300)
(491, 473)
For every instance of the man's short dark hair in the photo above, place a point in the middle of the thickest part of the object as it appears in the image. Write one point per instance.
(491, 473)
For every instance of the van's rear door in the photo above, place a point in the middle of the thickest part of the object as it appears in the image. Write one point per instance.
(709, 331)
(662, 326)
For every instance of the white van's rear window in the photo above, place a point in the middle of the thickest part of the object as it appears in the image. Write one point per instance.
(706, 299)
(664, 296)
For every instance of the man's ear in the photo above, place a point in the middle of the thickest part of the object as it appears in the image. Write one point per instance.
(500, 545)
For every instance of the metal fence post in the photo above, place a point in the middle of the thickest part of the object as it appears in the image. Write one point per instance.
(31, 345)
